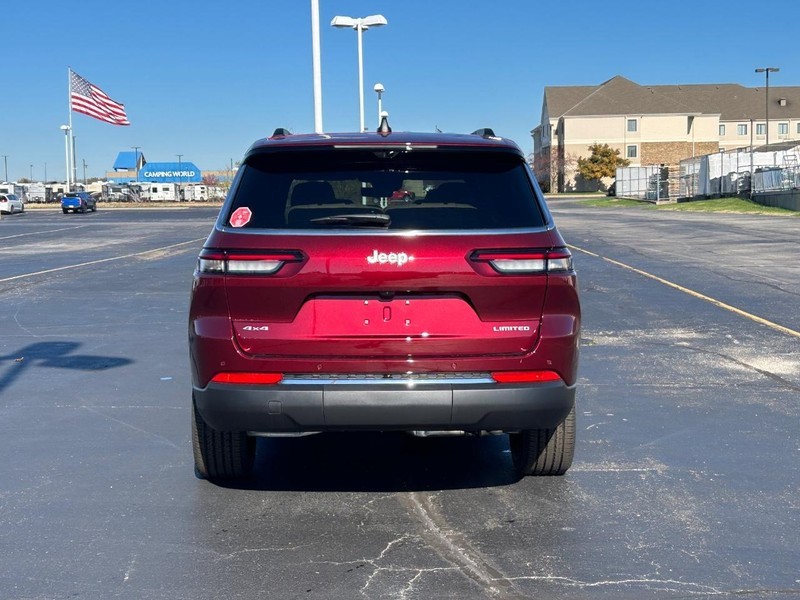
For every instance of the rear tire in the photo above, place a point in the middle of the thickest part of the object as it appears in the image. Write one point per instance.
(544, 451)
(220, 454)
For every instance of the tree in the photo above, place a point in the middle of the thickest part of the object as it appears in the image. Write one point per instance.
(551, 167)
(603, 162)
(210, 180)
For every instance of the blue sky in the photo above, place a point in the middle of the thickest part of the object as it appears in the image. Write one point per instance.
(205, 79)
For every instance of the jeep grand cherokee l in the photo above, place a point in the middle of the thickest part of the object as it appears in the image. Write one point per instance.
(319, 304)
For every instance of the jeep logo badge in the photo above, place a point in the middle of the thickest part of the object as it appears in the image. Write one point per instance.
(392, 258)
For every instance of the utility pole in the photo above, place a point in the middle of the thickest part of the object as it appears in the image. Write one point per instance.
(84, 171)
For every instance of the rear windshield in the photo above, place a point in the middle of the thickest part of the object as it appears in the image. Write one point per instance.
(389, 189)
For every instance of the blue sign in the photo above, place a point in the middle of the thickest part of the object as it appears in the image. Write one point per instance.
(170, 172)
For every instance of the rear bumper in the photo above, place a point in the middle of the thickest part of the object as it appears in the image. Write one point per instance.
(342, 407)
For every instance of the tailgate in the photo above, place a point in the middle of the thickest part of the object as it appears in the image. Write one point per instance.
(389, 297)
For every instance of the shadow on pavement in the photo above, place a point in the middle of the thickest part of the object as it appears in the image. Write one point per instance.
(53, 355)
(370, 462)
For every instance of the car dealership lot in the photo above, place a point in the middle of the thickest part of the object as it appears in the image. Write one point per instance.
(684, 484)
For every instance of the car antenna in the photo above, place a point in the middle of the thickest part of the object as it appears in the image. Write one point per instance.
(280, 132)
(384, 128)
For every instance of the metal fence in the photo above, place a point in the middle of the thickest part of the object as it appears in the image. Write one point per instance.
(740, 172)
(643, 183)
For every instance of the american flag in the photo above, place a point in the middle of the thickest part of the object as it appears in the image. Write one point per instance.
(91, 100)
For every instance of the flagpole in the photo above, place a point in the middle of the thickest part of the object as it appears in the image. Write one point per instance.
(71, 153)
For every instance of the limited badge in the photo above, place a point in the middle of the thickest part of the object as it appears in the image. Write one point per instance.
(241, 217)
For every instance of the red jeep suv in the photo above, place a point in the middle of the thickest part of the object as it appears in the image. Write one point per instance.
(319, 304)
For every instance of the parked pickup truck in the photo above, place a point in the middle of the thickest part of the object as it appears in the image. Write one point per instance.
(78, 202)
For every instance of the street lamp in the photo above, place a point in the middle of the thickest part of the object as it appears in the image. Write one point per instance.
(65, 129)
(180, 176)
(360, 25)
(5, 163)
(767, 71)
(379, 89)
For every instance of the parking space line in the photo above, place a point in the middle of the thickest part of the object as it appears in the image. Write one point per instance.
(102, 260)
(8, 237)
(685, 290)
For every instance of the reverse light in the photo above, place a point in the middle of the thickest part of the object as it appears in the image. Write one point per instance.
(267, 263)
(248, 378)
(525, 261)
(525, 376)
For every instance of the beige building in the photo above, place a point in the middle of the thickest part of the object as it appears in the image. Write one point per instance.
(654, 125)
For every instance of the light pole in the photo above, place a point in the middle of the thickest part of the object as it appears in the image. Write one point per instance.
(5, 164)
(379, 89)
(31, 174)
(83, 160)
(65, 129)
(315, 60)
(360, 25)
(767, 71)
(180, 176)
(136, 164)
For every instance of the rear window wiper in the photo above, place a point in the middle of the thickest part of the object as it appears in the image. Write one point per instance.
(356, 220)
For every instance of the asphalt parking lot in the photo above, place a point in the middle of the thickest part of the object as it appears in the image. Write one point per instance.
(685, 483)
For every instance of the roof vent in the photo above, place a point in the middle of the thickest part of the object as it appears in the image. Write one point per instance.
(485, 132)
(782, 101)
(384, 128)
(280, 132)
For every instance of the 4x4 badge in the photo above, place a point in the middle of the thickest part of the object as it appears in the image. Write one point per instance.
(392, 258)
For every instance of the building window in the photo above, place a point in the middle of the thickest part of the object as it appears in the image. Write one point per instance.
(631, 152)
(632, 125)
(741, 130)
(783, 129)
(761, 129)
(798, 128)
(721, 130)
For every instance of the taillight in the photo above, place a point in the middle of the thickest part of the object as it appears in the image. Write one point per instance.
(525, 376)
(232, 263)
(525, 261)
(248, 378)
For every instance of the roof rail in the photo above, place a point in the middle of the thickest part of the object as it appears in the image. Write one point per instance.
(280, 132)
(485, 132)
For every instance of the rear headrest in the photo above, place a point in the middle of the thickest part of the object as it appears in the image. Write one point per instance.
(451, 191)
(312, 192)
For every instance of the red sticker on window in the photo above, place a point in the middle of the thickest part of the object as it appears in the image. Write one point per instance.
(241, 217)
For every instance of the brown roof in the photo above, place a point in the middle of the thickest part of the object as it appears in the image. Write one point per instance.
(621, 96)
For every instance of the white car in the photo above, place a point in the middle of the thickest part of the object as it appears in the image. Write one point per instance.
(11, 203)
